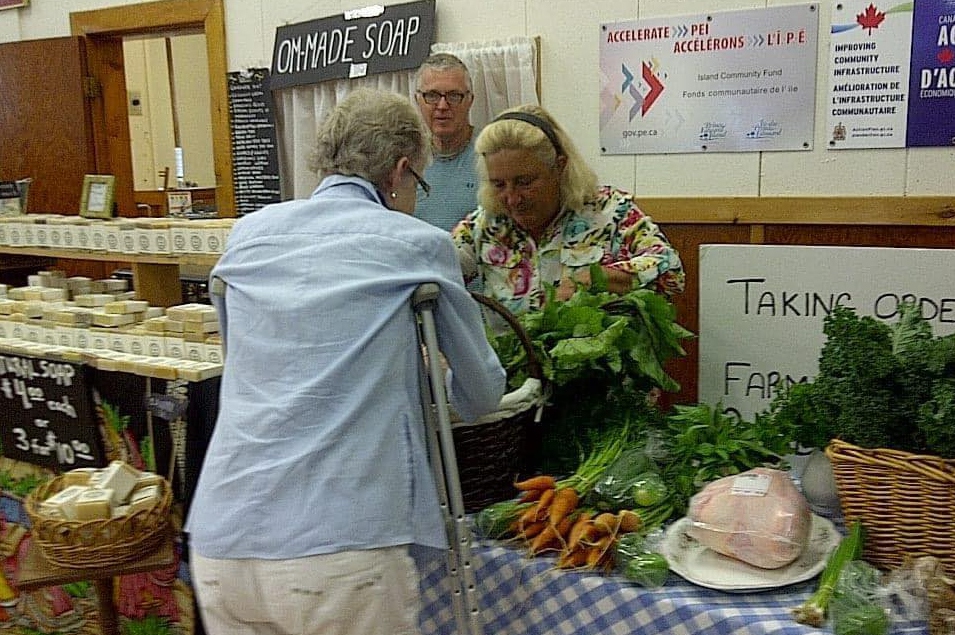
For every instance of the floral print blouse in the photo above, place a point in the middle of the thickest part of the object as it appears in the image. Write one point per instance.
(610, 229)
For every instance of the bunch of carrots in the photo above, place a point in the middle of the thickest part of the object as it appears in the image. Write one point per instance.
(553, 522)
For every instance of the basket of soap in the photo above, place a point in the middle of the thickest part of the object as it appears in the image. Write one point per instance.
(91, 517)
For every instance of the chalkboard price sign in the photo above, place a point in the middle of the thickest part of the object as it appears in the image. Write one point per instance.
(48, 412)
(255, 163)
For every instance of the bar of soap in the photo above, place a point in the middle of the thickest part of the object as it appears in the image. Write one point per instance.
(60, 505)
(120, 478)
(93, 504)
(145, 498)
(80, 476)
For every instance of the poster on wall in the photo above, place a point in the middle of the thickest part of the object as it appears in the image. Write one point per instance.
(892, 74)
(931, 119)
(733, 81)
(762, 309)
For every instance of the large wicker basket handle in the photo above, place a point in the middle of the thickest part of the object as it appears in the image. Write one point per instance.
(534, 368)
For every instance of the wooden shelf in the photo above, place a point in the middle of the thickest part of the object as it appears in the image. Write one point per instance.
(114, 256)
(156, 277)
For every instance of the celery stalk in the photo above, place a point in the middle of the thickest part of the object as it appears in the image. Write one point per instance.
(813, 611)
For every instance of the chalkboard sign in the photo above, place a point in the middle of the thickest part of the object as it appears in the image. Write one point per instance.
(255, 163)
(47, 413)
(373, 39)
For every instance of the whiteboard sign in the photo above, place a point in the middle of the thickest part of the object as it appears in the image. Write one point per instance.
(762, 309)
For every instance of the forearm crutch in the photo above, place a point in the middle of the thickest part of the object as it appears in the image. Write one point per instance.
(444, 463)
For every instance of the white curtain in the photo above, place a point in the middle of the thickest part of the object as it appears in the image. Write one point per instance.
(504, 74)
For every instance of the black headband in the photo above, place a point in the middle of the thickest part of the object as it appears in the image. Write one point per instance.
(537, 122)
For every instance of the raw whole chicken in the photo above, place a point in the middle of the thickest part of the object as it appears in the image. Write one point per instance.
(758, 517)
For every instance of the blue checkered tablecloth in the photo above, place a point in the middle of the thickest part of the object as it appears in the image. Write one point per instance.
(529, 596)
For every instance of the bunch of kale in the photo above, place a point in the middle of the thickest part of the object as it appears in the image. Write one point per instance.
(879, 385)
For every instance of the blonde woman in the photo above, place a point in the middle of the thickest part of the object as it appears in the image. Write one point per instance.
(542, 218)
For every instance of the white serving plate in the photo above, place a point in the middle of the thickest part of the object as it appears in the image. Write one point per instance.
(705, 567)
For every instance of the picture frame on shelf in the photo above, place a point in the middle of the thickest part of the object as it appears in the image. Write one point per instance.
(97, 198)
(178, 202)
(11, 199)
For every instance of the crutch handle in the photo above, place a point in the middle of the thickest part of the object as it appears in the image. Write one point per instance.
(426, 293)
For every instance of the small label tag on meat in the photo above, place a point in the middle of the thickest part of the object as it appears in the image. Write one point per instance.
(751, 484)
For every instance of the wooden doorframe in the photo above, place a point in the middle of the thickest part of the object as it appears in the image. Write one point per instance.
(103, 30)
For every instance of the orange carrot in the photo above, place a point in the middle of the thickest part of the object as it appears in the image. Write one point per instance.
(607, 522)
(563, 527)
(541, 482)
(591, 534)
(594, 554)
(529, 516)
(543, 505)
(546, 540)
(530, 495)
(629, 520)
(532, 530)
(572, 559)
(599, 552)
(565, 501)
(581, 526)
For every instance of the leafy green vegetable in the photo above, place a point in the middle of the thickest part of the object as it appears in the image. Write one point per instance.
(868, 619)
(601, 353)
(494, 521)
(700, 444)
(637, 563)
(649, 489)
(878, 386)
(855, 608)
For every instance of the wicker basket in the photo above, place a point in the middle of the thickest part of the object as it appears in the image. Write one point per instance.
(97, 543)
(491, 455)
(906, 502)
(941, 602)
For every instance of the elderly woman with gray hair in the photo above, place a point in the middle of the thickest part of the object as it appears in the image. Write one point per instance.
(316, 480)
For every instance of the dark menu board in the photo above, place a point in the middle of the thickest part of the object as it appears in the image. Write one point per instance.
(255, 163)
(47, 413)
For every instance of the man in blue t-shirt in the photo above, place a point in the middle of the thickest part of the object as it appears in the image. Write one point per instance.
(444, 97)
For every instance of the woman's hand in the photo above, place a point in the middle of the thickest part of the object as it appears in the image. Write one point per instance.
(568, 283)
(618, 282)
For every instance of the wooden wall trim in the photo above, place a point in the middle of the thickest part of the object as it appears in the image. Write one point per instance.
(102, 26)
(149, 16)
(936, 211)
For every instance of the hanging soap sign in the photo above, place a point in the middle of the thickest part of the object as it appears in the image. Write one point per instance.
(356, 43)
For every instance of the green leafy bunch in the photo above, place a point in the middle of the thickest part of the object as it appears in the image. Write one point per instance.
(595, 334)
(879, 385)
(700, 443)
(600, 354)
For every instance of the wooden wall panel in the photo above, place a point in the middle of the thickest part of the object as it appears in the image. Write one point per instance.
(43, 118)
(687, 239)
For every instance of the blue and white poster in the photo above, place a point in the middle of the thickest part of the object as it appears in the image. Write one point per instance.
(730, 81)
(891, 74)
(931, 120)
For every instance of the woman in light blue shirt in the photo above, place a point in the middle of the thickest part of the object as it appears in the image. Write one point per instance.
(316, 480)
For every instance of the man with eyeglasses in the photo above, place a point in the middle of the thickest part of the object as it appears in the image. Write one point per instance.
(444, 97)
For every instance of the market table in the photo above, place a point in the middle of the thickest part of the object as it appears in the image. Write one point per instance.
(36, 572)
(524, 596)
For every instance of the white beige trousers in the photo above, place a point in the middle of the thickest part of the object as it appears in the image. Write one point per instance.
(371, 592)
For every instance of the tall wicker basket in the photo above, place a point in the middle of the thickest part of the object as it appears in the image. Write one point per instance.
(906, 502)
(493, 453)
